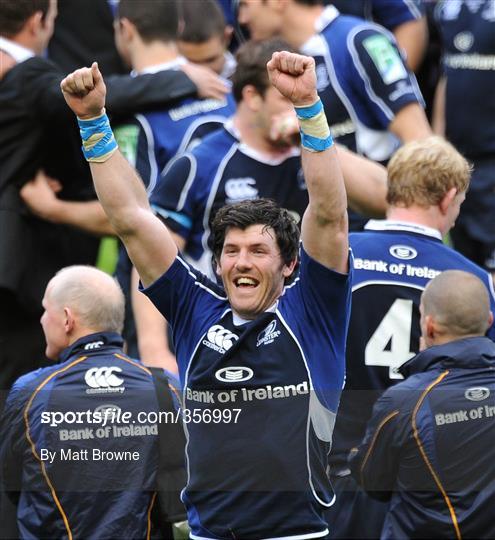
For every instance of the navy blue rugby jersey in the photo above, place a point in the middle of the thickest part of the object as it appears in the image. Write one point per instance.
(151, 139)
(362, 80)
(259, 472)
(467, 30)
(393, 262)
(222, 170)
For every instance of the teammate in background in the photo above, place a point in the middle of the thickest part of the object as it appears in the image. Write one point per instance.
(52, 467)
(371, 100)
(287, 341)
(205, 36)
(429, 444)
(146, 36)
(467, 31)
(394, 260)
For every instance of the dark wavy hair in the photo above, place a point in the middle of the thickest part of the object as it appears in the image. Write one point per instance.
(154, 19)
(15, 13)
(256, 212)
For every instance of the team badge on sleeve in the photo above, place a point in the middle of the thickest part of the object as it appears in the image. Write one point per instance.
(386, 58)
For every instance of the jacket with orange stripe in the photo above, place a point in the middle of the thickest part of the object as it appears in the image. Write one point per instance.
(54, 465)
(429, 446)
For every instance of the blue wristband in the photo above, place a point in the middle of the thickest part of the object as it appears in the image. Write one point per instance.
(97, 137)
(310, 111)
(315, 144)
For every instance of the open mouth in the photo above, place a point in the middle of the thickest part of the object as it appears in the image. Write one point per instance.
(246, 282)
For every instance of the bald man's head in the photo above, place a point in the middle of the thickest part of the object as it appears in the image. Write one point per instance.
(95, 297)
(78, 301)
(458, 304)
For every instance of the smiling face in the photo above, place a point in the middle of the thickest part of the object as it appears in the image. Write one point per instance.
(252, 269)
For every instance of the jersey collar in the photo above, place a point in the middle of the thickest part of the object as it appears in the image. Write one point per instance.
(328, 15)
(267, 159)
(91, 343)
(467, 353)
(316, 44)
(405, 226)
(239, 321)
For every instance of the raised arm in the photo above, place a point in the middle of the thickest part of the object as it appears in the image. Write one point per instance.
(324, 227)
(117, 184)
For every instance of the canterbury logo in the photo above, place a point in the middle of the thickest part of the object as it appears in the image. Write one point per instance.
(240, 189)
(93, 345)
(103, 377)
(220, 339)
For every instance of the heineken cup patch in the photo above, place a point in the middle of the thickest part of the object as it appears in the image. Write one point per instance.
(386, 58)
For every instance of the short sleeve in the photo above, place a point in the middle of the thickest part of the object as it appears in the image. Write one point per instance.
(383, 74)
(190, 302)
(317, 308)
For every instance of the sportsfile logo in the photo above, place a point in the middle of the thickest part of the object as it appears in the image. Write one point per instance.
(268, 335)
(220, 339)
(102, 380)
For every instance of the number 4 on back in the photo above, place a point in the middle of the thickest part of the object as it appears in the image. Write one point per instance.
(395, 328)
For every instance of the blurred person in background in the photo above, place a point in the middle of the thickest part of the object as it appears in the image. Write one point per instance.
(464, 99)
(205, 36)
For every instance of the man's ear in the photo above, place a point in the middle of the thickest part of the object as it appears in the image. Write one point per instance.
(217, 267)
(34, 23)
(127, 28)
(69, 320)
(288, 269)
(252, 98)
(430, 327)
(447, 200)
